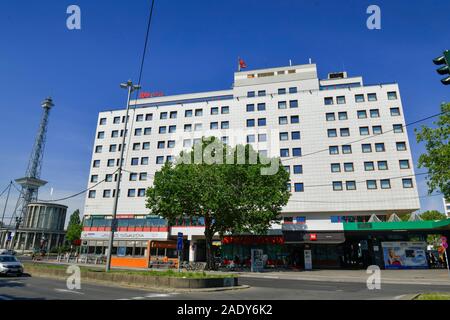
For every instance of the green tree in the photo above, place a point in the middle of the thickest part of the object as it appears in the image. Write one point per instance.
(231, 198)
(433, 215)
(74, 227)
(437, 158)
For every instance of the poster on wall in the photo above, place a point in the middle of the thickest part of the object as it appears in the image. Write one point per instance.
(308, 259)
(405, 255)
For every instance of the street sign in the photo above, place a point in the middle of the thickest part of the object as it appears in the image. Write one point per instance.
(180, 242)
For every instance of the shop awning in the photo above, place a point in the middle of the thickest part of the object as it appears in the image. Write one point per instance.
(441, 225)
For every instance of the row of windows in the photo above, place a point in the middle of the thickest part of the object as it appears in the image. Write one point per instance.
(371, 184)
(366, 148)
(108, 193)
(368, 166)
(392, 95)
(361, 114)
(363, 131)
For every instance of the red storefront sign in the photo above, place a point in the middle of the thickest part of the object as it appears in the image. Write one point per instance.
(313, 237)
(253, 240)
(145, 94)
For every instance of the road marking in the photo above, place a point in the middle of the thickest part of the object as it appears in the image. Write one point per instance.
(399, 297)
(5, 298)
(271, 277)
(69, 291)
(157, 295)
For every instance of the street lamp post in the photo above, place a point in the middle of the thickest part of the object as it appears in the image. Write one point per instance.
(18, 222)
(131, 87)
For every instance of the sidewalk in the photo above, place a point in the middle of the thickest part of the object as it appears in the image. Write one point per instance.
(425, 277)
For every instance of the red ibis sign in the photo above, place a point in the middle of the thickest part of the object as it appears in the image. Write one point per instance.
(145, 94)
(313, 236)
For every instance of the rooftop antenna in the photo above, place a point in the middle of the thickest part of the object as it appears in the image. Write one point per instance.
(290, 62)
(310, 61)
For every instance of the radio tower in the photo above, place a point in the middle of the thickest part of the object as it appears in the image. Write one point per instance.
(31, 182)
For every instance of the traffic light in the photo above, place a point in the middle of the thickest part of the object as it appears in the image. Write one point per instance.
(445, 59)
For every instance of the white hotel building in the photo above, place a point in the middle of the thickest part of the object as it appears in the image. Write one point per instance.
(343, 142)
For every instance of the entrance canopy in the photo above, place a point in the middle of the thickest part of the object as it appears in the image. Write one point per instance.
(441, 225)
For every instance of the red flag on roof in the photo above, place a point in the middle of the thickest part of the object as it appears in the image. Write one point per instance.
(242, 64)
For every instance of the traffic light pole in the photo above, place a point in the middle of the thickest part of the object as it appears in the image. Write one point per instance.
(444, 60)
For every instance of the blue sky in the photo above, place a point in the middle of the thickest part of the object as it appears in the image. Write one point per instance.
(193, 47)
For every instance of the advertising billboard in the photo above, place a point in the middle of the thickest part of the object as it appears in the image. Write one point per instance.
(405, 255)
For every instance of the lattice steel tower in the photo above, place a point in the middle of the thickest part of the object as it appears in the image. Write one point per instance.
(31, 182)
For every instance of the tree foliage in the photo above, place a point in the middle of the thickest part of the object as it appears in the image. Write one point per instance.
(74, 228)
(231, 198)
(437, 158)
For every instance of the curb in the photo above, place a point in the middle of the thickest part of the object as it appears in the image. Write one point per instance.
(410, 296)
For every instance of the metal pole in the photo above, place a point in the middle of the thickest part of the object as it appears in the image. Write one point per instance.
(446, 259)
(6, 204)
(131, 88)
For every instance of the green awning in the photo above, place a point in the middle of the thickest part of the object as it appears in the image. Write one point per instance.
(397, 226)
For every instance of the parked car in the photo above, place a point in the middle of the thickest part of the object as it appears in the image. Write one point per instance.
(7, 252)
(10, 265)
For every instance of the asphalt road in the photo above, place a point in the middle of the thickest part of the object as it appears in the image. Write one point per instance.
(37, 288)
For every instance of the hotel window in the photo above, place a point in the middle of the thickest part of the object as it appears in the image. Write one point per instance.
(214, 125)
(96, 163)
(163, 115)
(392, 95)
(187, 127)
(282, 105)
(107, 193)
(282, 120)
(293, 90)
(284, 136)
(288, 187)
(262, 153)
(214, 111)
(92, 194)
(162, 130)
(298, 187)
(382, 165)
(282, 91)
(109, 178)
(359, 98)
(261, 106)
(335, 167)
(369, 166)
(136, 146)
(350, 185)
(366, 148)
(250, 138)
(287, 168)
(330, 116)
(131, 193)
(345, 132)
(337, 185)
(225, 125)
(143, 176)
(94, 178)
(328, 101)
(102, 121)
(134, 161)
(262, 122)
(346, 149)
(173, 114)
(332, 133)
(172, 129)
(374, 113)
(404, 164)
(147, 131)
(133, 176)
(198, 112)
(188, 113)
(340, 100)
(342, 115)
(250, 107)
(401, 146)
(295, 119)
(293, 104)
(138, 132)
(364, 131)
(198, 127)
(250, 123)
(98, 149)
(398, 128)
(295, 135)
(395, 112)
(334, 150)
(371, 184)
(225, 110)
(141, 193)
(149, 117)
(101, 135)
(139, 118)
(385, 184)
(377, 130)
(348, 167)
(159, 160)
(284, 153)
(407, 183)
(379, 147)
(262, 137)
(115, 134)
(187, 143)
(297, 152)
(161, 144)
(362, 114)
(171, 144)
(197, 140)
(113, 148)
(372, 97)
(116, 120)
(261, 93)
(250, 94)
(298, 169)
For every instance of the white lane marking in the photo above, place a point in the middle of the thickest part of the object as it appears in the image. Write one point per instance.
(271, 277)
(138, 298)
(399, 297)
(69, 291)
(5, 298)
(157, 295)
